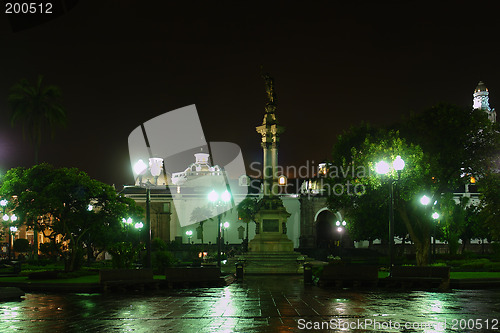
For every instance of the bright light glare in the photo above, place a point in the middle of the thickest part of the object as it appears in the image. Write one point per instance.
(344, 223)
(3, 202)
(398, 163)
(226, 225)
(189, 232)
(425, 200)
(90, 207)
(13, 218)
(213, 196)
(5, 217)
(337, 223)
(435, 216)
(139, 225)
(382, 167)
(339, 229)
(13, 229)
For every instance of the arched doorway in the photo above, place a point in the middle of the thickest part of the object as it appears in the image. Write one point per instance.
(325, 229)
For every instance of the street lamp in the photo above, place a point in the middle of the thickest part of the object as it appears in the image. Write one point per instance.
(219, 200)
(189, 233)
(140, 168)
(340, 230)
(383, 168)
(435, 216)
(225, 226)
(12, 218)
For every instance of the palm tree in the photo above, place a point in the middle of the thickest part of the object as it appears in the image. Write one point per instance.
(201, 214)
(246, 212)
(38, 108)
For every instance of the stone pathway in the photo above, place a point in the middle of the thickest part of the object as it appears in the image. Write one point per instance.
(259, 304)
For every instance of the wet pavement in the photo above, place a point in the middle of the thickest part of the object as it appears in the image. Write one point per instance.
(259, 304)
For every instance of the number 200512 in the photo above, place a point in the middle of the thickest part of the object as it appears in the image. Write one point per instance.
(28, 8)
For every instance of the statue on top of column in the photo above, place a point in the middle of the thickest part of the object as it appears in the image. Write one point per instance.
(271, 96)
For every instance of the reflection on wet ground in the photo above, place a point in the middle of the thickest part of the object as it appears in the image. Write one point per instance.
(260, 304)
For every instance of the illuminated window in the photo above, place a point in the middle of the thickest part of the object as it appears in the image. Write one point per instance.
(282, 180)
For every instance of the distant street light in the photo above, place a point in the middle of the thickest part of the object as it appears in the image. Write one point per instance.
(384, 168)
(189, 233)
(218, 201)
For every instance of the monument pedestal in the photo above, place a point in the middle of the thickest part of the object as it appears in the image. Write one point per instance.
(270, 251)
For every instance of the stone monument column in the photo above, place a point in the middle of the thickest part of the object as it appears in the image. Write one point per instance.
(272, 215)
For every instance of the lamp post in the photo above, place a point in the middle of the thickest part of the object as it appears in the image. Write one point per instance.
(189, 233)
(435, 216)
(340, 230)
(219, 200)
(12, 218)
(383, 168)
(140, 168)
(425, 200)
(225, 225)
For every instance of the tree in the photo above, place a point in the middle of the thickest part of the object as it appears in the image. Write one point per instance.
(201, 214)
(247, 209)
(56, 202)
(490, 204)
(442, 147)
(38, 108)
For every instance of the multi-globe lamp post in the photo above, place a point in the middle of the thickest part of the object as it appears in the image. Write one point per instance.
(384, 168)
(140, 169)
(6, 218)
(189, 233)
(340, 229)
(425, 201)
(219, 200)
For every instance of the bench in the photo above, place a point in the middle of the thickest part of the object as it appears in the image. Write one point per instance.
(421, 276)
(349, 275)
(10, 268)
(127, 278)
(192, 275)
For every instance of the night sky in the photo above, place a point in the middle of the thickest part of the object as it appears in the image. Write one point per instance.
(120, 63)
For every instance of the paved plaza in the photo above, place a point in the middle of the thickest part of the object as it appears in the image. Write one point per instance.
(259, 304)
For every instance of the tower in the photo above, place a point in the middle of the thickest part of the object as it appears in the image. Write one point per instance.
(481, 101)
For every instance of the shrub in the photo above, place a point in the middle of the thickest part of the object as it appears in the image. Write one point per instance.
(45, 275)
(162, 260)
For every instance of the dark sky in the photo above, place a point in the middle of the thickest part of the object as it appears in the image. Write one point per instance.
(120, 63)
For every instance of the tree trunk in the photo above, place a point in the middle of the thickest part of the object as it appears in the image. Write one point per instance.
(420, 235)
(422, 252)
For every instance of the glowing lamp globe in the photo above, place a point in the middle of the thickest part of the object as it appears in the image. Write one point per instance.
(382, 167)
(225, 196)
(140, 167)
(398, 163)
(435, 216)
(213, 196)
(155, 165)
(226, 225)
(425, 200)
